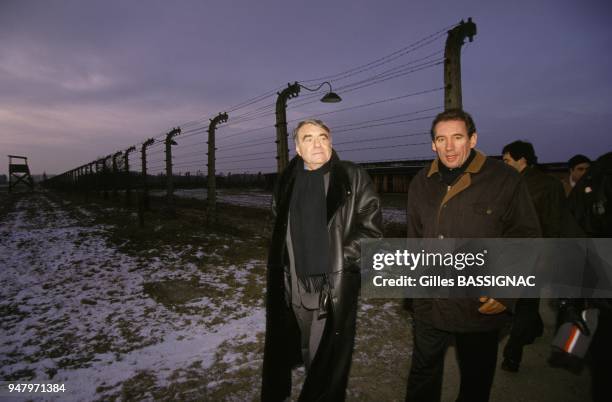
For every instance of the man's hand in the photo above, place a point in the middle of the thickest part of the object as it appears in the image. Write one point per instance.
(490, 306)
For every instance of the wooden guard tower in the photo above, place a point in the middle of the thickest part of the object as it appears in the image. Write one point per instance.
(19, 172)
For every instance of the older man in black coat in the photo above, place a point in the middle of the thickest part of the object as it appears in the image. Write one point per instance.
(323, 207)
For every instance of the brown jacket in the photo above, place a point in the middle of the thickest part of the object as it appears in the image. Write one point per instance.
(489, 200)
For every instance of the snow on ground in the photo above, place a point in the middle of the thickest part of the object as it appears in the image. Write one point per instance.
(261, 199)
(245, 198)
(73, 309)
(394, 215)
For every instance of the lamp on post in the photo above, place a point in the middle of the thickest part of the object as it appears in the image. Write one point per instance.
(292, 91)
(329, 97)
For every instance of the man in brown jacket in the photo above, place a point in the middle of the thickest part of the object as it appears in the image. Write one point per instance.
(462, 194)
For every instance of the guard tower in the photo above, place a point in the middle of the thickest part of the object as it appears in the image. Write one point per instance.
(19, 172)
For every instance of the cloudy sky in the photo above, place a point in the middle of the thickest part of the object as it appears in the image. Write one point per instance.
(83, 79)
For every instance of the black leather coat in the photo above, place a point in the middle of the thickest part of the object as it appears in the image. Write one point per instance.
(353, 213)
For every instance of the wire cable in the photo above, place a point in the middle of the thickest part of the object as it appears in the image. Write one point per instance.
(389, 57)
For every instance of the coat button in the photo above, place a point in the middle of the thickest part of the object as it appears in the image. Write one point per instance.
(489, 211)
(444, 206)
(440, 236)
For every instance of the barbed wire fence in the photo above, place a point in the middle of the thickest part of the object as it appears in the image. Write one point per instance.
(366, 126)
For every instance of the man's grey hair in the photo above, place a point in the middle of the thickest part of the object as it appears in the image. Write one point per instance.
(314, 122)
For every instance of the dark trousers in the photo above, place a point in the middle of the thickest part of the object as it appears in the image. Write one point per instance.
(526, 327)
(311, 331)
(476, 355)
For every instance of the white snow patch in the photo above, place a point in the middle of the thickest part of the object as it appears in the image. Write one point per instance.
(74, 310)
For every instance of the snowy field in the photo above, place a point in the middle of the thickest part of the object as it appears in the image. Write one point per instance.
(76, 311)
(87, 303)
(174, 311)
(261, 199)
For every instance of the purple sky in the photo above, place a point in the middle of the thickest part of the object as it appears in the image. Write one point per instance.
(80, 80)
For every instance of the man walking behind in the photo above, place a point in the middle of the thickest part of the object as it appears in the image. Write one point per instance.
(322, 206)
(462, 194)
(548, 199)
(591, 204)
(577, 166)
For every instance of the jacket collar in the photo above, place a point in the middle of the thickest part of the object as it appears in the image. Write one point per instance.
(473, 167)
(339, 186)
(464, 181)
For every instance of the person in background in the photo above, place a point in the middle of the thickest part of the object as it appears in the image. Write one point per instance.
(323, 207)
(462, 194)
(578, 165)
(549, 201)
(591, 204)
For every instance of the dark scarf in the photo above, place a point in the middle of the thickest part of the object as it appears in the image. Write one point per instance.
(309, 236)
(450, 175)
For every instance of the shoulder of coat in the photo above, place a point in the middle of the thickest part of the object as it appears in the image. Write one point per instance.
(348, 164)
(423, 173)
(500, 168)
(351, 169)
